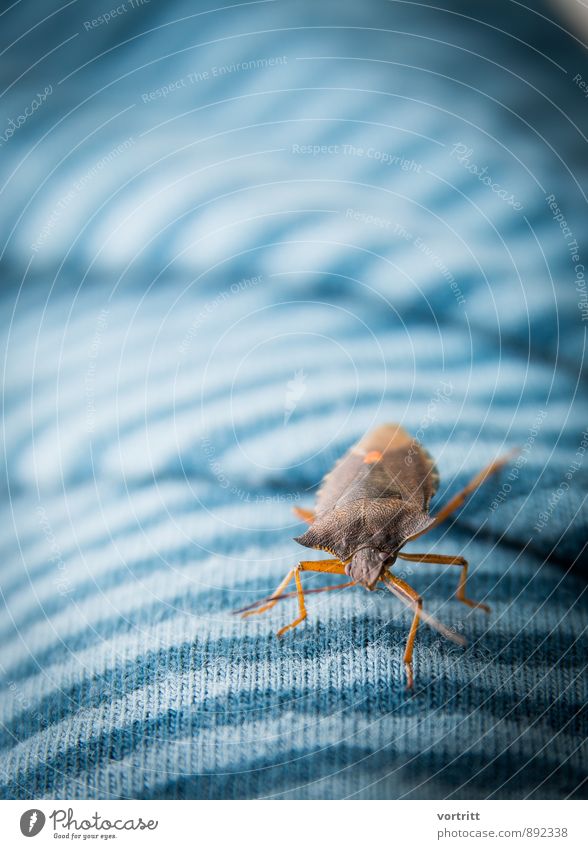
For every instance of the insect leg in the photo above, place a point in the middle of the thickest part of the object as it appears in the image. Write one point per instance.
(402, 589)
(307, 516)
(301, 605)
(332, 566)
(450, 561)
(274, 598)
(459, 499)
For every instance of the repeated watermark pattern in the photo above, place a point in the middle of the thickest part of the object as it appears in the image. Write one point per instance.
(400, 230)
(574, 254)
(372, 220)
(61, 580)
(442, 395)
(520, 462)
(295, 389)
(78, 186)
(439, 264)
(15, 124)
(115, 12)
(194, 77)
(223, 480)
(211, 306)
(90, 375)
(382, 156)
(563, 488)
(581, 83)
(355, 659)
(463, 154)
(21, 700)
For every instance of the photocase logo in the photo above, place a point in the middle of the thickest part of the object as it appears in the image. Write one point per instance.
(32, 822)
(295, 389)
(65, 824)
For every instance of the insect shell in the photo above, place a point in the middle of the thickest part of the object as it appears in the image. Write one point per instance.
(375, 498)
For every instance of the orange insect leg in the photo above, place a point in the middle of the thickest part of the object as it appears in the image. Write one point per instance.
(307, 516)
(444, 559)
(407, 592)
(333, 567)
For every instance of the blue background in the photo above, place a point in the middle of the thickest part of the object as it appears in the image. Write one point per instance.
(201, 312)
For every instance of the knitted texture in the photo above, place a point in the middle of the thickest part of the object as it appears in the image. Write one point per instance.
(234, 242)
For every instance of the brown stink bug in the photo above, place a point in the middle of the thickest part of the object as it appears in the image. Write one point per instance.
(374, 501)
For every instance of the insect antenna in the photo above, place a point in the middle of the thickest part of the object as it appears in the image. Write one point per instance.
(261, 601)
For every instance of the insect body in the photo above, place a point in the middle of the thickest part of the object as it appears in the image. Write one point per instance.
(374, 501)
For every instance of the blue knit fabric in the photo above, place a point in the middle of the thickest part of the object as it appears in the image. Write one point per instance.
(234, 240)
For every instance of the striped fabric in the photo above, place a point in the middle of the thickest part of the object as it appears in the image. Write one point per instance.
(233, 240)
